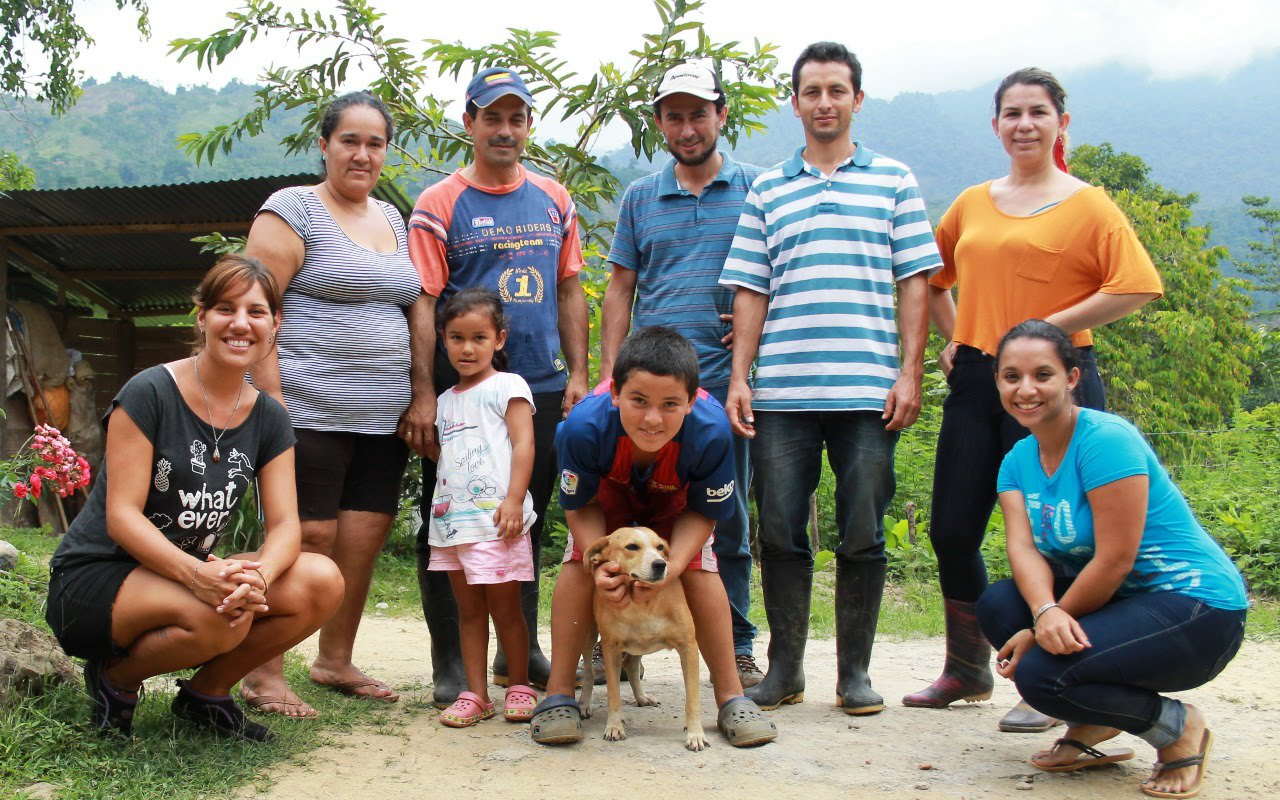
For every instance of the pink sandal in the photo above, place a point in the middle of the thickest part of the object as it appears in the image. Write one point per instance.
(520, 703)
(466, 711)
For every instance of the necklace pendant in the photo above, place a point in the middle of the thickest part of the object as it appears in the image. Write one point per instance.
(216, 455)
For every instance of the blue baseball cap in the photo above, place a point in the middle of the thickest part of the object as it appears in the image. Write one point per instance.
(494, 83)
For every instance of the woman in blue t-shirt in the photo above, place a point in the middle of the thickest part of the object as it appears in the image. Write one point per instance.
(1154, 605)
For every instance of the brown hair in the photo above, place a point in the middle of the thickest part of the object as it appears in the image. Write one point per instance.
(233, 272)
(1033, 76)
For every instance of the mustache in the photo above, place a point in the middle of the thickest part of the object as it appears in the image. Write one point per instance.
(503, 141)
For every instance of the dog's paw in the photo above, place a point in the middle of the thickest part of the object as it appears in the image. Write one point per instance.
(586, 711)
(646, 700)
(696, 741)
(614, 732)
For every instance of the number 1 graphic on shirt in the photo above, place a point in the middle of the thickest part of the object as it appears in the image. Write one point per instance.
(523, 283)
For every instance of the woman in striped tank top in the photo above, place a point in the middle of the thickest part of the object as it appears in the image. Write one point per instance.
(344, 371)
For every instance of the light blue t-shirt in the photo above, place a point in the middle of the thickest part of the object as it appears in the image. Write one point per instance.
(1174, 555)
(676, 242)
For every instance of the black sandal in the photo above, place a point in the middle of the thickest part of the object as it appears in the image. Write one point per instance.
(111, 710)
(218, 713)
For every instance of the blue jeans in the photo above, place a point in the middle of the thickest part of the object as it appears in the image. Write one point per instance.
(1142, 645)
(732, 545)
(787, 460)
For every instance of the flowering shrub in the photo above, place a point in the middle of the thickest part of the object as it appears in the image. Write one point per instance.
(45, 462)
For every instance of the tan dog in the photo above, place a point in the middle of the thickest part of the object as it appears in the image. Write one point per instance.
(656, 621)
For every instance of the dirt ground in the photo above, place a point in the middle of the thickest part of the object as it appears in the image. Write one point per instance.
(821, 752)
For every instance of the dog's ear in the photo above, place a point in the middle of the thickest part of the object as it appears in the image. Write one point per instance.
(595, 556)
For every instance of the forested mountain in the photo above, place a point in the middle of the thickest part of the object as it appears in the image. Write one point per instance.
(1212, 137)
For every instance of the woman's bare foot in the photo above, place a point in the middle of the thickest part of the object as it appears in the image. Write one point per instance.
(351, 680)
(1061, 755)
(1191, 743)
(271, 694)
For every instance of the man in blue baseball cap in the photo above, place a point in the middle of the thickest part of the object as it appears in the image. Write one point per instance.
(493, 84)
(497, 225)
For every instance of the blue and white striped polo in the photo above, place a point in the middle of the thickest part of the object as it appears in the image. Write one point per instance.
(676, 242)
(828, 249)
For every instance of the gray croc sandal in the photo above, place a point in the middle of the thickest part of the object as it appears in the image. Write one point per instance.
(744, 724)
(556, 720)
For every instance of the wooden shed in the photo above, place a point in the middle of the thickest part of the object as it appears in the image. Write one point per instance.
(110, 262)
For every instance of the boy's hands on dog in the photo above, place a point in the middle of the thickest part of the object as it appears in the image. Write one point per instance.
(612, 585)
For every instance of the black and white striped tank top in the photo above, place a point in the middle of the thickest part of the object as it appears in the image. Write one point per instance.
(344, 339)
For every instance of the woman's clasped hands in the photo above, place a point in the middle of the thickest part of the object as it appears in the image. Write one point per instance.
(1056, 632)
(235, 587)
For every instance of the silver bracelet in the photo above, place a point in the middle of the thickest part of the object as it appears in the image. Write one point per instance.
(1039, 611)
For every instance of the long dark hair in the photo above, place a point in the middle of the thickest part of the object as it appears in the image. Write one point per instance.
(333, 114)
(477, 299)
(1046, 331)
(1034, 76)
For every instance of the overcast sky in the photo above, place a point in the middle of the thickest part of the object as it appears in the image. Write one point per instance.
(929, 45)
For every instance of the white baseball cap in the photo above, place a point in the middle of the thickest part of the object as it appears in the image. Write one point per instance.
(690, 78)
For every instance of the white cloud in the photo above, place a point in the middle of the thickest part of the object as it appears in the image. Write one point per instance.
(928, 45)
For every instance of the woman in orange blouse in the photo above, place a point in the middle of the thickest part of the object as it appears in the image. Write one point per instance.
(1037, 243)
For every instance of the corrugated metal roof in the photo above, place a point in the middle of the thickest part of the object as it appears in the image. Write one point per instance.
(70, 229)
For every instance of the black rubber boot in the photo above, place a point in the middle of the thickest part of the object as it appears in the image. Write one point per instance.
(966, 675)
(859, 588)
(787, 586)
(448, 678)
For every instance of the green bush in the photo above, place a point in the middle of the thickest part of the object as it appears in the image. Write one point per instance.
(1233, 491)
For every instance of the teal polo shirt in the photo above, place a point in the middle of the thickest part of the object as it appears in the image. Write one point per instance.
(677, 242)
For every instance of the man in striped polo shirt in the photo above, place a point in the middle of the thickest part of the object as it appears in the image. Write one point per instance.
(673, 234)
(824, 240)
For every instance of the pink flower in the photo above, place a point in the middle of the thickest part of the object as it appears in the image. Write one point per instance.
(20, 491)
(35, 485)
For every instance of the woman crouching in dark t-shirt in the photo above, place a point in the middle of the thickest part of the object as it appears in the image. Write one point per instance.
(134, 589)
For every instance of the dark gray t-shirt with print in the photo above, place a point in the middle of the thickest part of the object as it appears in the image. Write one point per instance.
(191, 498)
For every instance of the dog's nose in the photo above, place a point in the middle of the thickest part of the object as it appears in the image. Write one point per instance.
(659, 569)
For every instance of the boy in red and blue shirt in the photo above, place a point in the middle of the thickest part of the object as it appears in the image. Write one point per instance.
(648, 449)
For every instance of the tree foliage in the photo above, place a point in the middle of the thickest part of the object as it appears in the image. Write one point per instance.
(13, 174)
(1263, 263)
(1183, 362)
(49, 28)
(427, 140)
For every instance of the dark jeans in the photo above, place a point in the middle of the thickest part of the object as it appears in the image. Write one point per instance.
(1142, 645)
(547, 414)
(786, 457)
(976, 434)
(732, 544)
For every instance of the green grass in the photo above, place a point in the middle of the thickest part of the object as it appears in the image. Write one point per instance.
(47, 739)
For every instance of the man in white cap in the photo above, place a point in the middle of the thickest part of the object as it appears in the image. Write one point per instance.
(495, 224)
(674, 230)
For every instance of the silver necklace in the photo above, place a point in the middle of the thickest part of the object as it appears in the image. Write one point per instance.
(217, 435)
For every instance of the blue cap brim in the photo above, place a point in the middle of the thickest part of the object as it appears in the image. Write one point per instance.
(493, 94)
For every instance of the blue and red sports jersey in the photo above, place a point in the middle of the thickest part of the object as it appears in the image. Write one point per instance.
(520, 241)
(694, 470)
